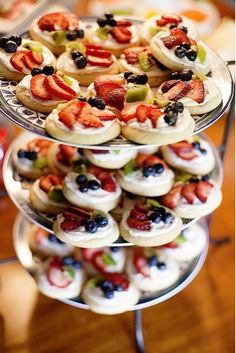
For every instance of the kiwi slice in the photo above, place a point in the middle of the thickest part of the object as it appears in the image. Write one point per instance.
(56, 194)
(161, 100)
(199, 77)
(152, 203)
(130, 167)
(34, 46)
(144, 61)
(102, 33)
(40, 163)
(58, 36)
(201, 53)
(153, 31)
(76, 46)
(108, 260)
(183, 177)
(136, 93)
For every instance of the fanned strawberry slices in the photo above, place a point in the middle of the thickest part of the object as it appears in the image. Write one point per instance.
(58, 20)
(177, 89)
(184, 150)
(142, 113)
(98, 56)
(26, 59)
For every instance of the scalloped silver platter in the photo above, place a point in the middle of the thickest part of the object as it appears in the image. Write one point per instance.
(188, 270)
(34, 121)
(18, 188)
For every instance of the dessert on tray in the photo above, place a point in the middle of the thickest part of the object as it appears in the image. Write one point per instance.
(111, 159)
(62, 158)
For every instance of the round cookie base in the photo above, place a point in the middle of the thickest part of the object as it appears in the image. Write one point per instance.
(210, 105)
(110, 164)
(42, 207)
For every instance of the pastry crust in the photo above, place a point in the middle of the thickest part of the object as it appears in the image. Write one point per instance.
(155, 240)
(157, 138)
(110, 163)
(94, 243)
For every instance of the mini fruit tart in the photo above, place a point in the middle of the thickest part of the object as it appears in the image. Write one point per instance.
(178, 51)
(19, 56)
(95, 188)
(196, 197)
(150, 224)
(149, 271)
(194, 156)
(43, 90)
(110, 294)
(126, 203)
(55, 30)
(118, 90)
(86, 229)
(46, 244)
(150, 124)
(108, 259)
(60, 277)
(82, 122)
(198, 93)
(46, 194)
(111, 159)
(85, 62)
(188, 245)
(114, 34)
(165, 23)
(140, 60)
(31, 159)
(146, 175)
(62, 158)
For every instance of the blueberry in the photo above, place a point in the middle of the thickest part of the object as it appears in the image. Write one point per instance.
(205, 178)
(148, 171)
(167, 218)
(118, 287)
(53, 239)
(76, 54)
(81, 179)
(152, 260)
(194, 179)
(155, 217)
(3, 41)
(196, 145)
(16, 39)
(184, 29)
(111, 22)
(141, 79)
(109, 16)
(91, 226)
(101, 22)
(94, 185)
(83, 188)
(127, 74)
(186, 46)
(31, 155)
(48, 70)
(179, 107)
(21, 154)
(80, 33)
(36, 71)
(114, 248)
(191, 55)
(175, 75)
(170, 121)
(132, 78)
(82, 99)
(10, 46)
(101, 221)
(186, 75)
(160, 210)
(180, 52)
(97, 102)
(81, 62)
(161, 265)
(68, 261)
(203, 150)
(109, 294)
(71, 35)
(77, 264)
(106, 285)
(158, 168)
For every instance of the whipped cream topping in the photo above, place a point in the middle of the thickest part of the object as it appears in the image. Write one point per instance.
(44, 197)
(113, 155)
(119, 257)
(50, 248)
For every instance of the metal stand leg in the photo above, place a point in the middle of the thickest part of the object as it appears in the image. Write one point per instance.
(139, 331)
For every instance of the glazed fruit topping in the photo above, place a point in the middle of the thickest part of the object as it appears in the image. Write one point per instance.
(57, 87)
(176, 89)
(184, 150)
(66, 154)
(106, 179)
(112, 93)
(26, 59)
(139, 225)
(121, 34)
(49, 181)
(58, 20)
(168, 19)
(132, 54)
(197, 91)
(142, 112)
(173, 197)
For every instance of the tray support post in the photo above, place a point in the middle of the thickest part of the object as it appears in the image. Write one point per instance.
(139, 331)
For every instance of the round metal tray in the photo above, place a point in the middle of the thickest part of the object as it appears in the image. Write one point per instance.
(188, 270)
(34, 121)
(18, 188)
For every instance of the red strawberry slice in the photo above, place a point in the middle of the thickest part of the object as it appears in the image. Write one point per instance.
(173, 197)
(171, 245)
(152, 160)
(98, 52)
(87, 254)
(109, 184)
(140, 225)
(131, 54)
(123, 23)
(39, 145)
(118, 279)
(139, 206)
(184, 150)
(37, 58)
(178, 91)
(56, 277)
(146, 111)
(66, 154)
(17, 60)
(58, 20)
(102, 62)
(61, 83)
(168, 85)
(140, 262)
(171, 41)
(168, 18)
(128, 113)
(142, 113)
(46, 182)
(38, 88)
(69, 114)
(154, 114)
(70, 224)
(119, 80)
(88, 119)
(121, 34)
(188, 192)
(139, 216)
(98, 262)
(40, 235)
(196, 91)
(112, 93)
(71, 216)
(140, 159)
(203, 189)
(79, 212)
(181, 35)
(53, 87)
(28, 61)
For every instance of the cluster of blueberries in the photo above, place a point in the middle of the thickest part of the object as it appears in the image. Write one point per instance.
(109, 288)
(107, 20)
(185, 50)
(171, 111)
(94, 101)
(140, 79)
(74, 34)
(153, 261)
(31, 155)
(79, 59)
(92, 225)
(198, 147)
(195, 179)
(85, 184)
(159, 214)
(184, 75)
(10, 44)
(70, 261)
(46, 70)
(153, 170)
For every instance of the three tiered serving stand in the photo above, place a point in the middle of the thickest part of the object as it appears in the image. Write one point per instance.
(34, 123)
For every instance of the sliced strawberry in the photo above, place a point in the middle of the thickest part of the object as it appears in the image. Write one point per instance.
(171, 41)
(139, 216)
(39, 235)
(142, 113)
(140, 262)
(46, 182)
(79, 212)
(65, 154)
(139, 206)
(171, 245)
(102, 62)
(98, 262)
(112, 93)
(68, 115)
(184, 150)
(140, 159)
(121, 34)
(123, 23)
(56, 277)
(51, 83)
(119, 80)
(203, 189)
(109, 184)
(98, 52)
(118, 279)
(168, 85)
(88, 119)
(70, 224)
(188, 192)
(154, 114)
(17, 60)
(71, 216)
(37, 58)
(28, 61)
(39, 145)
(38, 88)
(128, 113)
(168, 18)
(58, 20)
(87, 254)
(140, 225)
(152, 160)
(181, 35)
(173, 197)
(61, 83)
(196, 91)
(131, 54)
(93, 46)
(178, 91)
